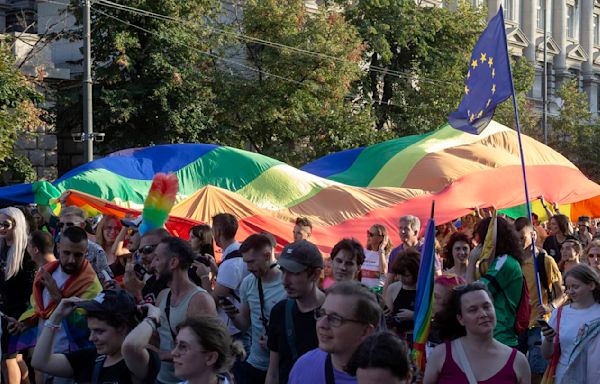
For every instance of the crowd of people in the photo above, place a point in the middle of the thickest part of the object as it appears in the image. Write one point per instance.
(93, 300)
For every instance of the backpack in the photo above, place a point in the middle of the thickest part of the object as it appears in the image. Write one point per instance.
(523, 310)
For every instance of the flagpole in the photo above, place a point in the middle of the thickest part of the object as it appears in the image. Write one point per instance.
(514, 100)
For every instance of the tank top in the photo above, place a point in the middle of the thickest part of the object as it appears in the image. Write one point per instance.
(177, 314)
(452, 374)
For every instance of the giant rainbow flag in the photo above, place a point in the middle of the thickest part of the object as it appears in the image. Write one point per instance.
(343, 193)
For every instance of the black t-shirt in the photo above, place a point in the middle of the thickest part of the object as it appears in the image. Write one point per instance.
(152, 288)
(83, 363)
(553, 246)
(306, 336)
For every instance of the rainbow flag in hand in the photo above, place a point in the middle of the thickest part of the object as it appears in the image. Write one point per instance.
(424, 299)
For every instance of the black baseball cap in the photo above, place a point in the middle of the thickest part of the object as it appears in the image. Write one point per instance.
(299, 255)
(110, 300)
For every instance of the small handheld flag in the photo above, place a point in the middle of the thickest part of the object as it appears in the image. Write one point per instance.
(159, 201)
(489, 80)
(424, 298)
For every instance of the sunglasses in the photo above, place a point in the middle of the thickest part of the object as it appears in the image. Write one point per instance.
(6, 225)
(147, 249)
(61, 225)
(594, 256)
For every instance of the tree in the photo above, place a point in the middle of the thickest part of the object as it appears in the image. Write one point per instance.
(152, 76)
(293, 105)
(418, 57)
(573, 133)
(19, 115)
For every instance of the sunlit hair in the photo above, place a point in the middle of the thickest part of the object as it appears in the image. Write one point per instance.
(16, 252)
(382, 231)
(213, 336)
(592, 244)
(100, 229)
(413, 222)
(563, 223)
(576, 245)
(586, 275)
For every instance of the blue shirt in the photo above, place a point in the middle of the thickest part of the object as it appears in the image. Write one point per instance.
(310, 368)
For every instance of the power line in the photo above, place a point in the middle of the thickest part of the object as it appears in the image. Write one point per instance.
(241, 36)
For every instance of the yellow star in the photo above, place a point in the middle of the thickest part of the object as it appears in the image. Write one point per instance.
(466, 90)
(474, 64)
(480, 114)
(488, 103)
(493, 88)
(472, 118)
(493, 72)
(483, 58)
(491, 61)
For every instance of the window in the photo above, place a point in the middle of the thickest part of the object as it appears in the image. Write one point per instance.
(573, 20)
(508, 10)
(540, 14)
(596, 29)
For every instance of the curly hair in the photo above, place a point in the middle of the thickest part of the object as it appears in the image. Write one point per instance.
(407, 261)
(454, 238)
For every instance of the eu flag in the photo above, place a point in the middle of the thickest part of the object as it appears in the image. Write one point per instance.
(489, 80)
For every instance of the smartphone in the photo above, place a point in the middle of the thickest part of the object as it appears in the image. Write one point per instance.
(543, 323)
(225, 301)
(140, 271)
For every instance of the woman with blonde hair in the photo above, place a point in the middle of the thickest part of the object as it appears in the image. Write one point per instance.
(16, 282)
(377, 253)
(591, 255)
(107, 232)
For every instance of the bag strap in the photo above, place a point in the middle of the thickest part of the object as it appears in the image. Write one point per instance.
(98, 368)
(261, 298)
(329, 378)
(290, 328)
(558, 316)
(168, 315)
(459, 352)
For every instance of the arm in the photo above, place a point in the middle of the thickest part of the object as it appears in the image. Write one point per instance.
(548, 342)
(43, 359)
(434, 364)
(545, 206)
(273, 371)
(131, 283)
(241, 318)
(117, 248)
(521, 368)
(383, 262)
(202, 303)
(134, 350)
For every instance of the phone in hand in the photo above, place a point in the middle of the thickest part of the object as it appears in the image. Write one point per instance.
(140, 271)
(543, 323)
(224, 301)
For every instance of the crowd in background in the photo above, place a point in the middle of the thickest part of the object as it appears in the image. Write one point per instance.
(94, 300)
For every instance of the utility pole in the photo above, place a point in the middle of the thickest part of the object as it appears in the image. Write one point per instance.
(88, 136)
(545, 74)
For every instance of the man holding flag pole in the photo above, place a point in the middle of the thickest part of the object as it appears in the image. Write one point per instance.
(488, 83)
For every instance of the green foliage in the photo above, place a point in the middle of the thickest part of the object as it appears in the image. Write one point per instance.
(19, 113)
(572, 133)
(295, 106)
(18, 168)
(151, 86)
(425, 52)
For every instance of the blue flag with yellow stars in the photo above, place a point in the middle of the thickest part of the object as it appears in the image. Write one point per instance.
(489, 80)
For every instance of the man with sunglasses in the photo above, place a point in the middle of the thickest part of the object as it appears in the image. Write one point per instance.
(292, 325)
(349, 314)
(75, 217)
(141, 279)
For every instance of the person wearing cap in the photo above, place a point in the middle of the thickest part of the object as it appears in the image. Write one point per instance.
(111, 316)
(584, 234)
(259, 292)
(292, 326)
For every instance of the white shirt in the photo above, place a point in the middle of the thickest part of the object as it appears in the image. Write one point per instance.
(571, 321)
(371, 270)
(61, 342)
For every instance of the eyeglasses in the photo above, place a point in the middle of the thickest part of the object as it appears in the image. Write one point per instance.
(61, 225)
(6, 225)
(333, 319)
(147, 249)
(594, 256)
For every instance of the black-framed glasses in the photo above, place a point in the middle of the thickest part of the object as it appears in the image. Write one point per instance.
(333, 319)
(147, 249)
(6, 224)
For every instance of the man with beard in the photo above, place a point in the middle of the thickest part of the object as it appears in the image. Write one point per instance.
(70, 276)
(141, 279)
(292, 326)
(183, 298)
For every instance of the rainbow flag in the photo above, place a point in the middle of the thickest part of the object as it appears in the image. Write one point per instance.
(424, 299)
